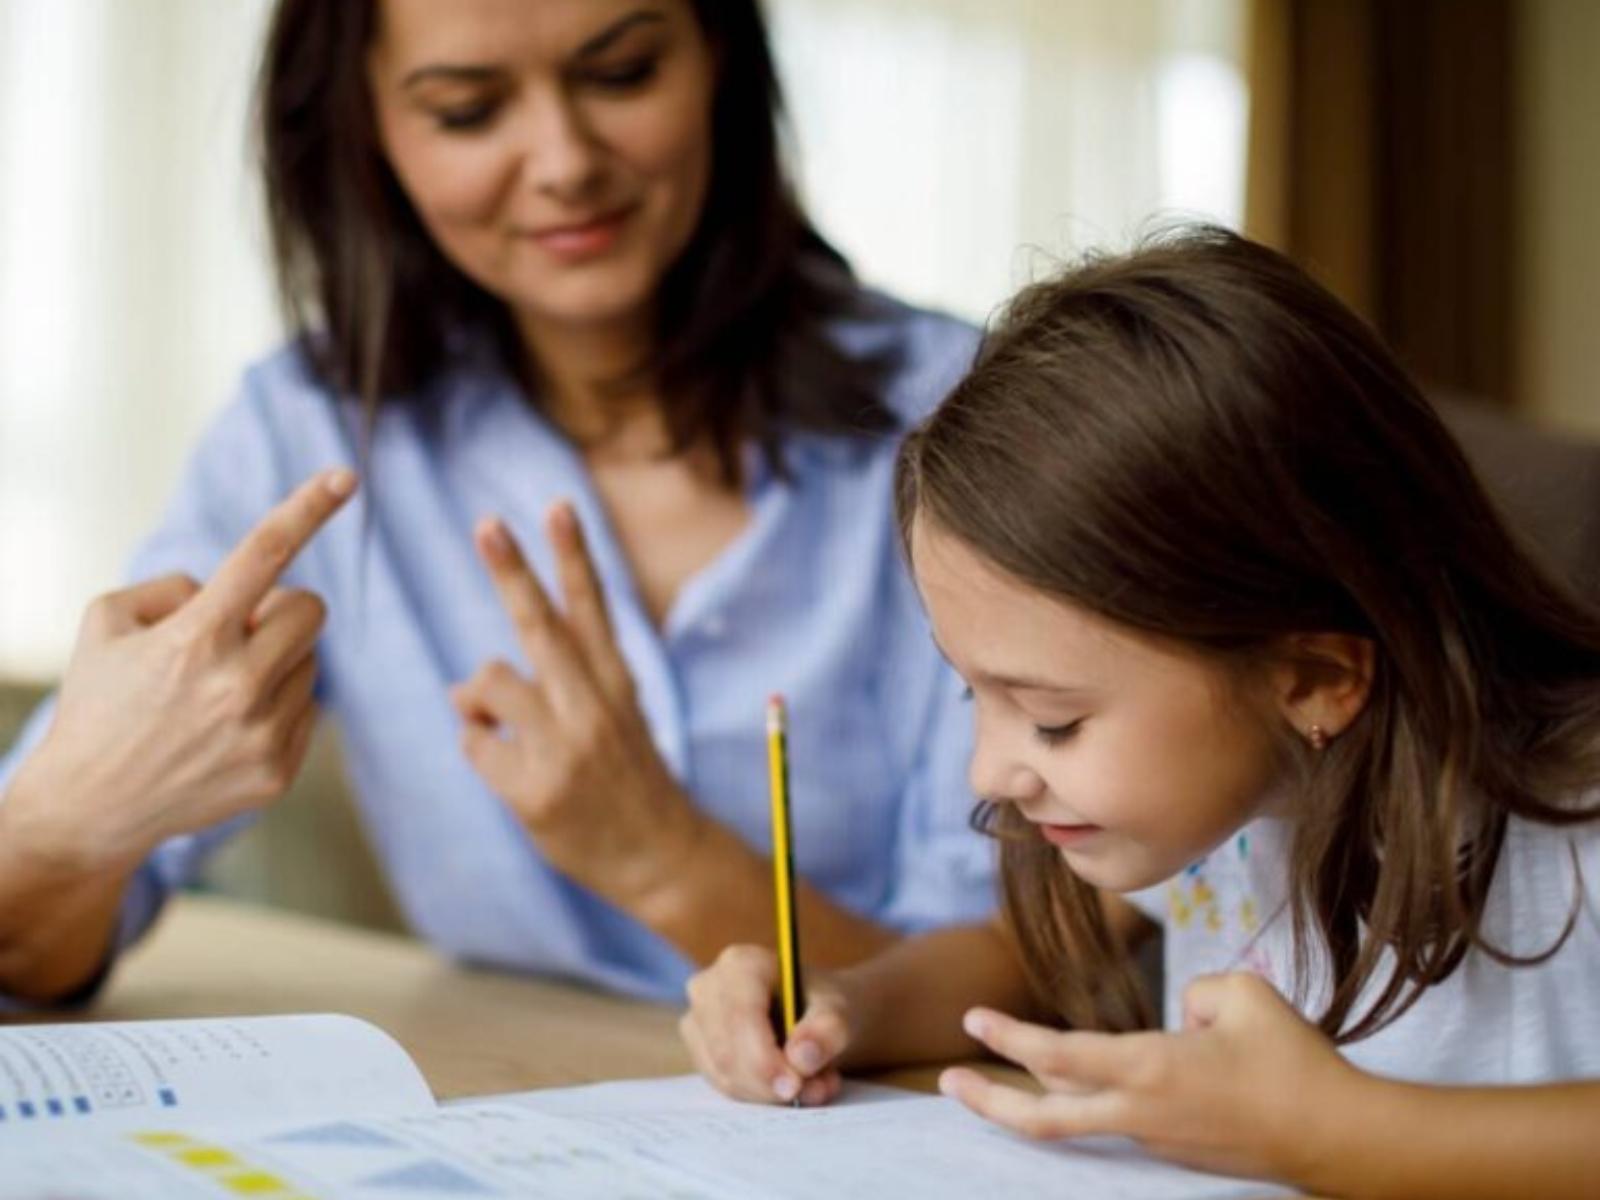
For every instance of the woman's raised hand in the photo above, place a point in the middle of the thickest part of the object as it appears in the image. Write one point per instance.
(183, 704)
(569, 750)
(728, 1030)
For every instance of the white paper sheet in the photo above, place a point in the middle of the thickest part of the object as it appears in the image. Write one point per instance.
(673, 1138)
(875, 1142)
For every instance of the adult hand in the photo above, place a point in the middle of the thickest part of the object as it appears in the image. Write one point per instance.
(728, 1031)
(1248, 1088)
(569, 750)
(182, 705)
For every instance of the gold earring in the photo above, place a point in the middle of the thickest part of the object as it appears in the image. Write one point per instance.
(1318, 737)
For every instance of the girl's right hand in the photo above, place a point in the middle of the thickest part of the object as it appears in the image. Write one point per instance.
(729, 1032)
(183, 705)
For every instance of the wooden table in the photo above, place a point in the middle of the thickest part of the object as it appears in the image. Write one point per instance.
(472, 1032)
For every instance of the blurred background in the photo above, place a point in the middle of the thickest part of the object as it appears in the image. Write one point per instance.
(1437, 162)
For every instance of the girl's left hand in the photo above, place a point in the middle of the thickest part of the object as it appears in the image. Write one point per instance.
(570, 751)
(1248, 1088)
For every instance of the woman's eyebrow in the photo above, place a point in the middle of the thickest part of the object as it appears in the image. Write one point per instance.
(456, 74)
(477, 73)
(603, 40)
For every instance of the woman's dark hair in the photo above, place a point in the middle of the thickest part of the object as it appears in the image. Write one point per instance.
(742, 349)
(1198, 442)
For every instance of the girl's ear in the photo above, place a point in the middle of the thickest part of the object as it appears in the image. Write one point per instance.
(1322, 681)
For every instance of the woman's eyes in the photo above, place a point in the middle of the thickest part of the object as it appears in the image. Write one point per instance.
(623, 77)
(465, 116)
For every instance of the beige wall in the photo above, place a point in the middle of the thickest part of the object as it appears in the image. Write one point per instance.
(1559, 255)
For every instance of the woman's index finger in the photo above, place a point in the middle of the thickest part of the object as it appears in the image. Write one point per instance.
(252, 569)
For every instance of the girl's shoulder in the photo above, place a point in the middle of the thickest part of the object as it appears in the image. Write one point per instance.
(1548, 871)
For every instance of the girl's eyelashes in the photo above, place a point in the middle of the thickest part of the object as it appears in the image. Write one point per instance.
(1050, 735)
(1054, 735)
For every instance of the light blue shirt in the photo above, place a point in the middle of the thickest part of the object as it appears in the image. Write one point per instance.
(811, 600)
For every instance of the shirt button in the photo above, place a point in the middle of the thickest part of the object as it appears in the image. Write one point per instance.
(714, 626)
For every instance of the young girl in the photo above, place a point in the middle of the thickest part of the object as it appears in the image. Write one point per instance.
(1249, 651)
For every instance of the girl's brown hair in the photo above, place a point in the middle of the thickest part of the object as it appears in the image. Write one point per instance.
(742, 345)
(1200, 443)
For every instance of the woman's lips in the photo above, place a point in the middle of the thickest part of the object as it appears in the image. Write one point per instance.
(581, 240)
(1067, 835)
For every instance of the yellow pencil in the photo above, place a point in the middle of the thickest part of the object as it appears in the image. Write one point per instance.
(791, 997)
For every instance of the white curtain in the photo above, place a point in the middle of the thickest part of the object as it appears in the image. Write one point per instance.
(131, 284)
(948, 146)
(954, 148)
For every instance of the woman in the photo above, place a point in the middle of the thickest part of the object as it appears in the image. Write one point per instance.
(545, 266)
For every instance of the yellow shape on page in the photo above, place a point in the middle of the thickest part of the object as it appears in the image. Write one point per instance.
(207, 1158)
(256, 1183)
(162, 1140)
(220, 1164)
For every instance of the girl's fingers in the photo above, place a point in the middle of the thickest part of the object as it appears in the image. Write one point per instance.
(732, 1054)
(730, 1006)
(1237, 998)
(585, 597)
(1051, 1115)
(817, 1040)
(1091, 1060)
(541, 630)
(699, 1053)
(761, 1066)
(821, 1089)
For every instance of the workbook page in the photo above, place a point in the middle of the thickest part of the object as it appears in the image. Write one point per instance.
(71, 1079)
(874, 1142)
(465, 1152)
(672, 1138)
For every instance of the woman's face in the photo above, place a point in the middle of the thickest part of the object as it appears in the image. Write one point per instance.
(558, 151)
(1131, 758)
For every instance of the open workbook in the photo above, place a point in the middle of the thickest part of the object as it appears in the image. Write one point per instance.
(329, 1108)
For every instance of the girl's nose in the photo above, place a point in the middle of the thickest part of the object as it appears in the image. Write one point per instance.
(999, 777)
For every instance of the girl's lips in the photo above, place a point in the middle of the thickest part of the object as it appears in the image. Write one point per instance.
(1067, 835)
